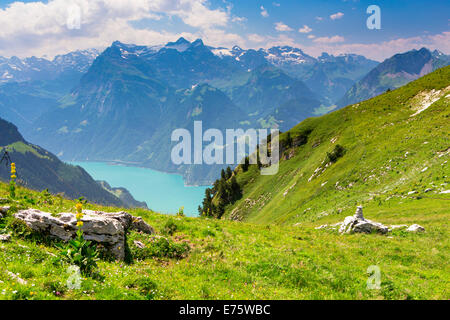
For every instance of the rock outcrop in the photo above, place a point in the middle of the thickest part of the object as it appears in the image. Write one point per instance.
(127, 220)
(415, 228)
(3, 211)
(105, 228)
(5, 237)
(358, 224)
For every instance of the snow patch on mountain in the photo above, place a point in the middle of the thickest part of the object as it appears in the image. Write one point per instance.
(222, 52)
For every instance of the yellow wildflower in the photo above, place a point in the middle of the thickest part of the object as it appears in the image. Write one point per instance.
(79, 216)
(79, 207)
(79, 223)
(13, 176)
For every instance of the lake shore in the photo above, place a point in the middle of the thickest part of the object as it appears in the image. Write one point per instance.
(163, 192)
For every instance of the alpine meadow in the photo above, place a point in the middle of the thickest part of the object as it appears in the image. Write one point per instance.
(214, 150)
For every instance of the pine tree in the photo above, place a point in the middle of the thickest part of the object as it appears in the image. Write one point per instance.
(246, 164)
(235, 189)
(288, 140)
(229, 173)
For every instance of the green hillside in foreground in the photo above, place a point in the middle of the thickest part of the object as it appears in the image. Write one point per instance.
(394, 149)
(236, 260)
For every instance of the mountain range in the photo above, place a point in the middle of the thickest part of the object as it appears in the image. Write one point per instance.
(15, 69)
(31, 86)
(132, 98)
(394, 73)
(124, 103)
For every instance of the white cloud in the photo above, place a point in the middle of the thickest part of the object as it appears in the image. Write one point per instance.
(386, 49)
(319, 19)
(239, 19)
(264, 12)
(256, 38)
(336, 16)
(305, 29)
(43, 26)
(280, 26)
(333, 39)
(43, 31)
(275, 4)
(281, 40)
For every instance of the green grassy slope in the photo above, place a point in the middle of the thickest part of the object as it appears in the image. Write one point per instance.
(390, 152)
(40, 169)
(235, 260)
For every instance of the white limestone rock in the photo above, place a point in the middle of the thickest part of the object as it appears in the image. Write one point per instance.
(105, 228)
(5, 237)
(358, 224)
(398, 226)
(4, 211)
(415, 228)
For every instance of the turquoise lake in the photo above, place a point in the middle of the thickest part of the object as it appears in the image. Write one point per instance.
(163, 192)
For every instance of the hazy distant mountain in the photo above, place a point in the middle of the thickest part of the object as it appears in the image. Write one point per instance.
(29, 87)
(181, 64)
(132, 98)
(331, 76)
(269, 93)
(328, 76)
(15, 69)
(394, 73)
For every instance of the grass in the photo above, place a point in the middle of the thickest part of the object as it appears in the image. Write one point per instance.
(388, 153)
(234, 260)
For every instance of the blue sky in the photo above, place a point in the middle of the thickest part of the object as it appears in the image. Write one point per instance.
(337, 26)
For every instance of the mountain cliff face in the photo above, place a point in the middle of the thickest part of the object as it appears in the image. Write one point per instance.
(273, 99)
(39, 169)
(387, 149)
(332, 76)
(394, 73)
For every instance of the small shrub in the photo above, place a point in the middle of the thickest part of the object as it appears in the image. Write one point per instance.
(29, 200)
(208, 233)
(46, 197)
(21, 230)
(161, 248)
(144, 285)
(334, 155)
(180, 212)
(81, 253)
(170, 227)
(55, 287)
